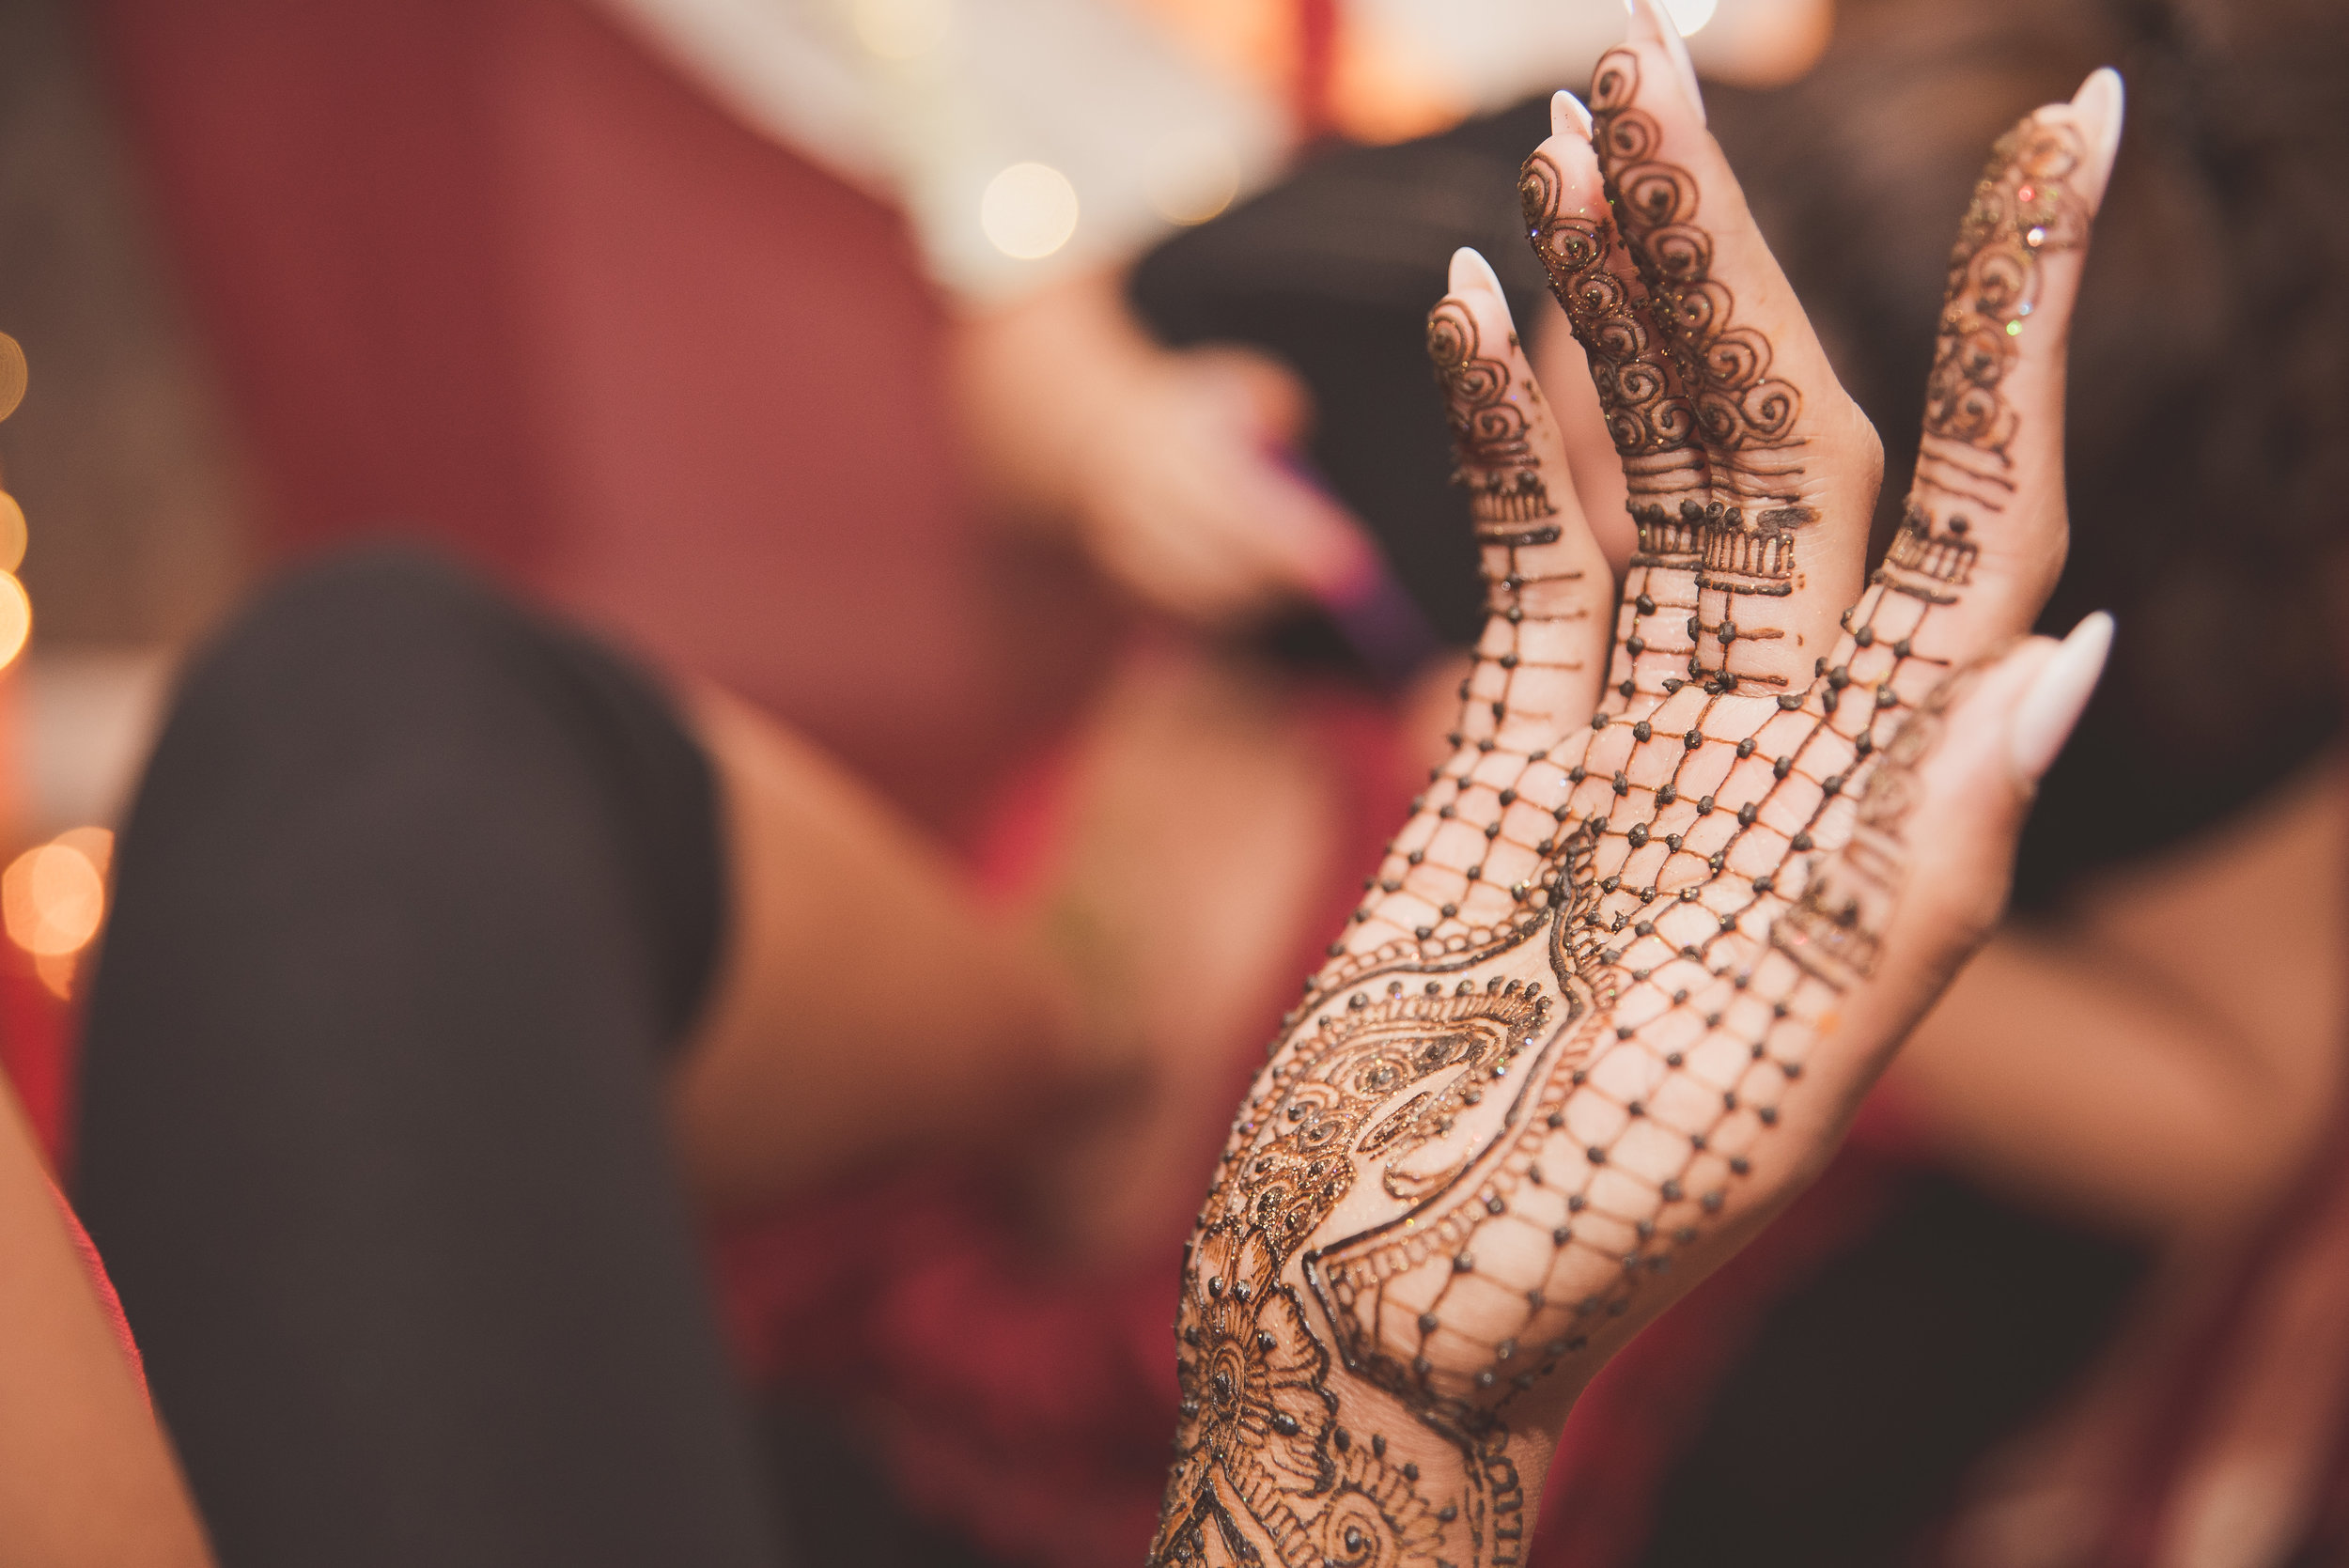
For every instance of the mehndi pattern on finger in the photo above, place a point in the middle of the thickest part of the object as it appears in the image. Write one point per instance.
(1542, 1062)
(1481, 870)
(2023, 210)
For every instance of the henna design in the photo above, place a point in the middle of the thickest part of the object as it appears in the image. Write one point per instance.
(1543, 1060)
(1725, 368)
(1705, 429)
(2023, 210)
(1493, 456)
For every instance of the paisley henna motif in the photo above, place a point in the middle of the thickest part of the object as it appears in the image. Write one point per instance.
(1550, 1045)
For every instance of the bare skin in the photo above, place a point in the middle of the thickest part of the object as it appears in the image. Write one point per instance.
(2209, 1095)
(87, 1479)
(829, 889)
(1703, 854)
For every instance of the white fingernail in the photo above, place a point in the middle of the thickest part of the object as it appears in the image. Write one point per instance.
(1470, 270)
(1665, 33)
(1567, 118)
(2044, 714)
(2100, 104)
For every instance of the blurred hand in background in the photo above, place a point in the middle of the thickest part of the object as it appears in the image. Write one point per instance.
(1172, 470)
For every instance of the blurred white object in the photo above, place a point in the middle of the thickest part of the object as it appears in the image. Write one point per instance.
(1156, 112)
(89, 719)
(927, 102)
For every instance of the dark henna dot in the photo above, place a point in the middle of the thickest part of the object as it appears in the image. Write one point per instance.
(1641, 731)
(1596, 1155)
(1799, 843)
(1464, 1264)
(1598, 722)
(1739, 1166)
(1282, 1422)
(1645, 605)
(1745, 748)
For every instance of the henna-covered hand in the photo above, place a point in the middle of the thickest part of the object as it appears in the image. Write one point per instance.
(1692, 869)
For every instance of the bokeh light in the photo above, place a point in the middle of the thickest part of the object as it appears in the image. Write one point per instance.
(16, 618)
(1029, 210)
(13, 374)
(903, 29)
(1199, 179)
(1689, 15)
(53, 896)
(12, 533)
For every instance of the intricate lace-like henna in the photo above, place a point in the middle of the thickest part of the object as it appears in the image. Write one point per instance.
(1472, 1149)
(2023, 210)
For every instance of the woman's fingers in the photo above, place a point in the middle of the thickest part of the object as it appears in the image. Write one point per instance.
(1546, 587)
(1640, 397)
(1791, 464)
(1985, 528)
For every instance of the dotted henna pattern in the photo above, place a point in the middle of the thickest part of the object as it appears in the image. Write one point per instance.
(1547, 1051)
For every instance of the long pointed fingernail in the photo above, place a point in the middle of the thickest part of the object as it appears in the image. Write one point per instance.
(2099, 107)
(2044, 714)
(1567, 118)
(1469, 270)
(1652, 22)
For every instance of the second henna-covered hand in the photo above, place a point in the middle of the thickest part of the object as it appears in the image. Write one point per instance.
(1706, 847)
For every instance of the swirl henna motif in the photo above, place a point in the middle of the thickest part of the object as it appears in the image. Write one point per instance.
(1704, 429)
(1548, 1053)
(1494, 457)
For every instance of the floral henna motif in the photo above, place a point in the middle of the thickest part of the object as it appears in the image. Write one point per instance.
(1444, 1189)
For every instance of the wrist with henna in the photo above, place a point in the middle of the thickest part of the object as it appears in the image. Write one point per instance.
(1703, 848)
